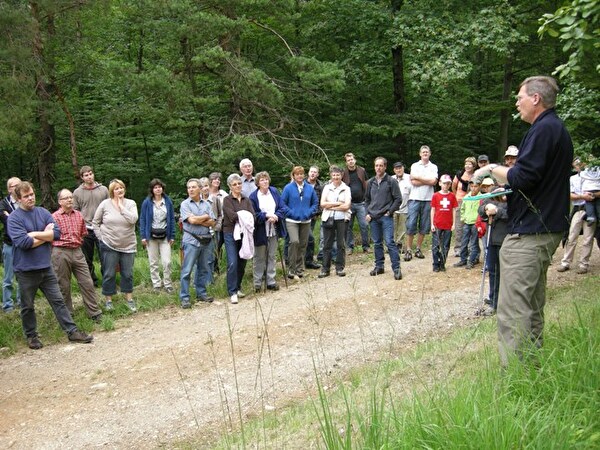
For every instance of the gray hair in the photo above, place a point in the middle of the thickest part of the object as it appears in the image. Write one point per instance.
(546, 87)
(233, 177)
(192, 180)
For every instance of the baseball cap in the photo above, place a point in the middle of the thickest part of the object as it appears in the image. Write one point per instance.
(398, 164)
(482, 158)
(511, 151)
(445, 179)
(487, 182)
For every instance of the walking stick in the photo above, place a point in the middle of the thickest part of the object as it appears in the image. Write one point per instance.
(485, 256)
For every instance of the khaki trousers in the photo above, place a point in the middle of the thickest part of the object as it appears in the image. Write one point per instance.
(577, 225)
(67, 261)
(524, 261)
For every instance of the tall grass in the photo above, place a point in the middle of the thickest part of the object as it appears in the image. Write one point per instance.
(452, 393)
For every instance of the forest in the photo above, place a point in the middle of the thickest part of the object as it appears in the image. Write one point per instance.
(179, 88)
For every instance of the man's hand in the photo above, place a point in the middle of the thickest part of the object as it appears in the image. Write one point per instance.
(490, 209)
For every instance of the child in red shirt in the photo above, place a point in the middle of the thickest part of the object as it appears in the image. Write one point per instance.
(443, 205)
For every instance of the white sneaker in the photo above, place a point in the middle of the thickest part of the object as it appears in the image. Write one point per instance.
(234, 299)
(240, 294)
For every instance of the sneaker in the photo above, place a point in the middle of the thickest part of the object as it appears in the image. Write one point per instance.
(376, 271)
(240, 294)
(340, 273)
(419, 254)
(234, 299)
(442, 268)
(436, 269)
(562, 268)
(459, 264)
(81, 337)
(273, 287)
(34, 343)
(488, 311)
(581, 270)
(312, 265)
(323, 274)
(398, 275)
(156, 290)
(109, 306)
(169, 290)
(203, 299)
(469, 265)
(185, 304)
(131, 306)
(407, 255)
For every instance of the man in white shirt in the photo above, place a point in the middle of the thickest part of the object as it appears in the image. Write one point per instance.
(423, 177)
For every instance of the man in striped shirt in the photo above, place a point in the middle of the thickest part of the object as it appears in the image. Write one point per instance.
(67, 257)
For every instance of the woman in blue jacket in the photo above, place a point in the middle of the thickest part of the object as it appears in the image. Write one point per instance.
(157, 229)
(269, 226)
(302, 202)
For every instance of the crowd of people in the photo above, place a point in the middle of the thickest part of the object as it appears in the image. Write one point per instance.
(475, 204)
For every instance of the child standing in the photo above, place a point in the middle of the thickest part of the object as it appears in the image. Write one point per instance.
(443, 205)
(469, 247)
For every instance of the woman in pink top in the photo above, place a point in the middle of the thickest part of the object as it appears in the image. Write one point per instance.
(460, 188)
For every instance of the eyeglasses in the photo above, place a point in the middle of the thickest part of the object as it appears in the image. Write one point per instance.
(236, 183)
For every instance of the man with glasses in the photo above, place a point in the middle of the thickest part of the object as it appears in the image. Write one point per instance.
(32, 229)
(7, 206)
(68, 259)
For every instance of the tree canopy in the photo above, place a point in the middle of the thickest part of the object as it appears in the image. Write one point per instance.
(180, 88)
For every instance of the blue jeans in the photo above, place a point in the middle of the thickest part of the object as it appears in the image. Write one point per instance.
(360, 212)
(382, 229)
(110, 260)
(199, 257)
(46, 281)
(440, 245)
(236, 266)
(7, 283)
(469, 247)
(419, 213)
(493, 267)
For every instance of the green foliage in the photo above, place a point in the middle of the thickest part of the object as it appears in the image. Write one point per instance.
(577, 25)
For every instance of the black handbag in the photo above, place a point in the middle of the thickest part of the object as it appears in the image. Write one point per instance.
(328, 223)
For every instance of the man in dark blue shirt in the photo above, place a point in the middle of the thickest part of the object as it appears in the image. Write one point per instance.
(32, 229)
(538, 213)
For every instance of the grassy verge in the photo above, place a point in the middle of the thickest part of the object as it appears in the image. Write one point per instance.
(452, 394)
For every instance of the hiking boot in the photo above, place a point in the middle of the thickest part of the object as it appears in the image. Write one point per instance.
(323, 274)
(469, 265)
(312, 265)
(436, 269)
(488, 311)
(34, 343)
(97, 318)
(257, 289)
(185, 304)
(81, 337)
(419, 254)
(131, 306)
(459, 264)
(204, 299)
(376, 271)
(367, 250)
(273, 287)
(581, 270)
(398, 275)
(169, 290)
(407, 255)
(562, 268)
(340, 273)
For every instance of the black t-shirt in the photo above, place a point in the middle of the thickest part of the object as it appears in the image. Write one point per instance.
(356, 187)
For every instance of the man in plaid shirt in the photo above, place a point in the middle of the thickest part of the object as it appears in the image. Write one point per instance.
(67, 257)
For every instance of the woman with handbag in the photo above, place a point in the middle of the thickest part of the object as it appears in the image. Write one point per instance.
(335, 203)
(114, 225)
(157, 229)
(269, 226)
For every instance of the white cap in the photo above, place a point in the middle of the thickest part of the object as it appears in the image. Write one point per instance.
(511, 151)
(445, 179)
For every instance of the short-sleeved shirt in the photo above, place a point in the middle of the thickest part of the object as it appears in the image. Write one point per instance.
(189, 208)
(443, 204)
(418, 169)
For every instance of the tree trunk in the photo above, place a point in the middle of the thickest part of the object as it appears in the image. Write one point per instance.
(398, 82)
(44, 89)
(505, 112)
